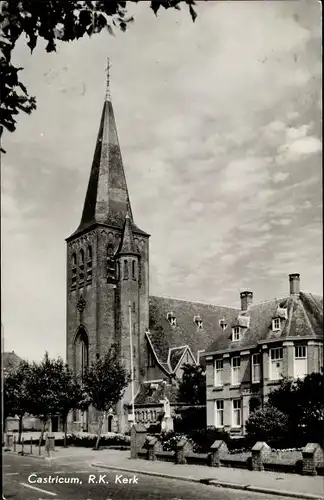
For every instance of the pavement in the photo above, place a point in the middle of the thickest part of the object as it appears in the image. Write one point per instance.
(26, 478)
(267, 483)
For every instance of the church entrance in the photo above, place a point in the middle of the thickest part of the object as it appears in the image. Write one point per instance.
(110, 422)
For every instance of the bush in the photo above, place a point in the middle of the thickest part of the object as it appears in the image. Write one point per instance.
(88, 440)
(204, 438)
(154, 429)
(169, 440)
(186, 417)
(267, 424)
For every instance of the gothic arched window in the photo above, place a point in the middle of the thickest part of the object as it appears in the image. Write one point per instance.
(81, 351)
(74, 270)
(81, 266)
(133, 270)
(125, 270)
(111, 265)
(89, 263)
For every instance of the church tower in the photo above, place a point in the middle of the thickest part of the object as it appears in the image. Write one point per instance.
(107, 273)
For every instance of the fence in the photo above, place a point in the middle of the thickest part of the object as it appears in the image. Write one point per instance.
(28, 446)
(262, 457)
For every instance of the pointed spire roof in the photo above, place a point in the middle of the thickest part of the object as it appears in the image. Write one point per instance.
(127, 244)
(107, 200)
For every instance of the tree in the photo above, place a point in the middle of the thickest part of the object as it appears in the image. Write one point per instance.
(267, 424)
(104, 382)
(70, 394)
(303, 402)
(54, 20)
(16, 393)
(53, 390)
(192, 387)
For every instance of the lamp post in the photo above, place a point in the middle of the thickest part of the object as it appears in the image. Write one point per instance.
(131, 359)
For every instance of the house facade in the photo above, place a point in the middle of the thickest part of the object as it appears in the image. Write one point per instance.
(260, 345)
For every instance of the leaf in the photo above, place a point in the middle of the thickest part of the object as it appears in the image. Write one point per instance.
(32, 42)
(110, 30)
(193, 13)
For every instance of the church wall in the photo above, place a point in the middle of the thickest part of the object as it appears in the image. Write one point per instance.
(106, 292)
(142, 245)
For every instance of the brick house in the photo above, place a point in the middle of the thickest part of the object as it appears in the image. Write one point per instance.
(261, 344)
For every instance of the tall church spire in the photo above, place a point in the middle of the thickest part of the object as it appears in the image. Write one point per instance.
(107, 200)
(108, 97)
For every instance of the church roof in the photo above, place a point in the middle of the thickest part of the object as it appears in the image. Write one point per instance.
(107, 200)
(154, 392)
(10, 360)
(304, 318)
(186, 332)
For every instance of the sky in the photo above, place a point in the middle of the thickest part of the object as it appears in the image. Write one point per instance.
(219, 123)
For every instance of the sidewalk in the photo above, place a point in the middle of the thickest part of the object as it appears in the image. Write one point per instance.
(271, 483)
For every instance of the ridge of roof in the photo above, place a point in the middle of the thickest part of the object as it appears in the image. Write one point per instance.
(191, 301)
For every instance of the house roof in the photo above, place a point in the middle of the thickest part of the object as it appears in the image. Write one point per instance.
(175, 355)
(164, 336)
(304, 319)
(148, 394)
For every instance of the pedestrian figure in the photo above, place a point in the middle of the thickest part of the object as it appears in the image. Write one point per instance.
(47, 444)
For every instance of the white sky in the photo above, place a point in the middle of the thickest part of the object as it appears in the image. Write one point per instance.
(219, 125)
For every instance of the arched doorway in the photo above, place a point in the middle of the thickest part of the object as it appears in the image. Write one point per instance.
(110, 423)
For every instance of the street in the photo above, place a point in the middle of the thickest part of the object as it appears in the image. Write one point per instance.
(26, 478)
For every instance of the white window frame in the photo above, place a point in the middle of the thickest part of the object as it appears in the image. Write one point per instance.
(276, 324)
(300, 358)
(218, 379)
(236, 411)
(236, 334)
(275, 357)
(236, 370)
(219, 413)
(256, 356)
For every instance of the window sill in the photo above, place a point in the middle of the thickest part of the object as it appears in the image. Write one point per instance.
(256, 382)
(235, 386)
(218, 387)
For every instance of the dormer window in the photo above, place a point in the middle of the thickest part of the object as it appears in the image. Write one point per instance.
(236, 333)
(199, 322)
(276, 324)
(223, 324)
(172, 319)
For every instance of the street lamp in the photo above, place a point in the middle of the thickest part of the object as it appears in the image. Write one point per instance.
(131, 360)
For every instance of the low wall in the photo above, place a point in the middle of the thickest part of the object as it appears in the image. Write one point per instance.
(308, 462)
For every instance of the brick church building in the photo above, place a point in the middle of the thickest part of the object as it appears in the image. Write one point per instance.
(108, 299)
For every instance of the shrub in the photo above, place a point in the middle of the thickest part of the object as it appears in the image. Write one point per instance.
(88, 440)
(267, 424)
(204, 438)
(186, 417)
(169, 440)
(154, 429)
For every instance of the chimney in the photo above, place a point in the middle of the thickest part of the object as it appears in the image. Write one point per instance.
(246, 300)
(294, 284)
